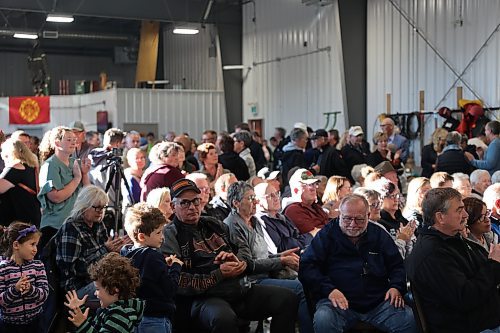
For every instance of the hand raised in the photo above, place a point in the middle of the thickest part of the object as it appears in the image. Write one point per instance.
(85, 165)
(77, 317)
(73, 301)
(338, 299)
(77, 172)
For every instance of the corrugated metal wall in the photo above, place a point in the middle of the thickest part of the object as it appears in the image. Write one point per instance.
(191, 111)
(402, 62)
(187, 60)
(299, 88)
(15, 79)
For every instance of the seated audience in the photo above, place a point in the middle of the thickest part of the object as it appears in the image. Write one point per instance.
(213, 289)
(219, 207)
(455, 279)
(354, 152)
(496, 177)
(391, 217)
(283, 235)
(358, 175)
(382, 152)
(336, 189)
(190, 163)
(209, 162)
(201, 181)
(492, 200)
(116, 281)
(387, 171)
(346, 279)
(330, 161)
(293, 152)
(136, 161)
(160, 198)
(479, 180)
(159, 275)
(430, 152)
(82, 240)
(19, 184)
(491, 160)
(374, 201)
(132, 140)
(230, 160)
(461, 183)
(307, 215)
(441, 179)
(452, 159)
(478, 223)
(388, 127)
(264, 267)
(271, 177)
(254, 146)
(416, 192)
(164, 170)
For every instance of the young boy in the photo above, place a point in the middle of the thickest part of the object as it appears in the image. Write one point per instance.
(159, 275)
(116, 281)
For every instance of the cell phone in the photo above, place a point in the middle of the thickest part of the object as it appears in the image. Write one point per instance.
(112, 233)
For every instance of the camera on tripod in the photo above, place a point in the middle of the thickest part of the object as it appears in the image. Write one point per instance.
(114, 155)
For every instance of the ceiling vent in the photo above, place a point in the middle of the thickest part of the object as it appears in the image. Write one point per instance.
(317, 2)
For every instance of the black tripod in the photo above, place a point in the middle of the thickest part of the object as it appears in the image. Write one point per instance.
(116, 175)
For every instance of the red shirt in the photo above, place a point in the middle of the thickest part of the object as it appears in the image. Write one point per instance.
(306, 217)
(158, 176)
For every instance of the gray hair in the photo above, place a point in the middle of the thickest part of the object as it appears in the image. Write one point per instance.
(491, 195)
(236, 192)
(89, 196)
(369, 194)
(297, 133)
(196, 175)
(496, 177)
(453, 138)
(352, 198)
(476, 175)
(162, 150)
(459, 176)
(356, 171)
(437, 200)
(244, 136)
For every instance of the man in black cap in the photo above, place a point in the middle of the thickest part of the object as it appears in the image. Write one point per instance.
(213, 289)
(330, 160)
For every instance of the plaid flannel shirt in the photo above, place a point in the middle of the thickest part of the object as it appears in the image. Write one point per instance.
(77, 247)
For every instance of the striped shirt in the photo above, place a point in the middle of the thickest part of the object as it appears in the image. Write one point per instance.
(121, 316)
(17, 308)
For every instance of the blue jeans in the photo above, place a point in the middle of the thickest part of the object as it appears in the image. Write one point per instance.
(385, 317)
(304, 316)
(154, 325)
(494, 330)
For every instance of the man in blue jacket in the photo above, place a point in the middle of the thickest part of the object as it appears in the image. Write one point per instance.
(354, 272)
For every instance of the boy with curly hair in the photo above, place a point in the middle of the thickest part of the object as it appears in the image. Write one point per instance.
(159, 275)
(116, 281)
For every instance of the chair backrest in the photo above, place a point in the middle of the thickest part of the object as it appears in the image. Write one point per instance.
(418, 313)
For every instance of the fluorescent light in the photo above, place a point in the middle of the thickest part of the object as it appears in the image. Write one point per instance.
(186, 31)
(60, 18)
(25, 35)
(229, 67)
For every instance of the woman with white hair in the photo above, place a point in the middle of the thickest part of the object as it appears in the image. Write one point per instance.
(461, 183)
(82, 240)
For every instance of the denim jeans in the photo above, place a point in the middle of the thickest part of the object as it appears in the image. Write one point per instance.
(385, 317)
(154, 325)
(494, 330)
(304, 316)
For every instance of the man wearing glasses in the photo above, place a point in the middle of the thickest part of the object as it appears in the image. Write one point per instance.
(354, 272)
(213, 288)
(456, 280)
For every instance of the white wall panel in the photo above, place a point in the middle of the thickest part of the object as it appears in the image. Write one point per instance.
(191, 111)
(187, 61)
(299, 88)
(401, 62)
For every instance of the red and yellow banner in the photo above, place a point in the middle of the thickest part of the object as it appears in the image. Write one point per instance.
(29, 110)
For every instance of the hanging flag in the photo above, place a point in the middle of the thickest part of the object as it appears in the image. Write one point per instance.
(29, 110)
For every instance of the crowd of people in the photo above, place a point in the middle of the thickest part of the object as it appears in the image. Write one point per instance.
(315, 230)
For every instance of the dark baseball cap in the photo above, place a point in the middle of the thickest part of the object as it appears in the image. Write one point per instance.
(319, 133)
(183, 185)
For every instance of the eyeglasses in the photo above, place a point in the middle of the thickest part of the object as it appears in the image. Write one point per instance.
(274, 195)
(350, 219)
(484, 217)
(252, 197)
(393, 196)
(99, 208)
(185, 203)
(376, 205)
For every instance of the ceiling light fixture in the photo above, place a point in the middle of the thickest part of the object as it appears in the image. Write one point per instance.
(60, 18)
(186, 31)
(25, 35)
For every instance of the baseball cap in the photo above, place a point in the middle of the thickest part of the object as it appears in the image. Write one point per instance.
(77, 126)
(319, 133)
(355, 131)
(265, 173)
(303, 176)
(183, 185)
(302, 126)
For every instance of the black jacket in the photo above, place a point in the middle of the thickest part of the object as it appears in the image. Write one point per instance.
(353, 156)
(234, 163)
(158, 281)
(331, 163)
(456, 282)
(453, 160)
(429, 157)
(258, 155)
